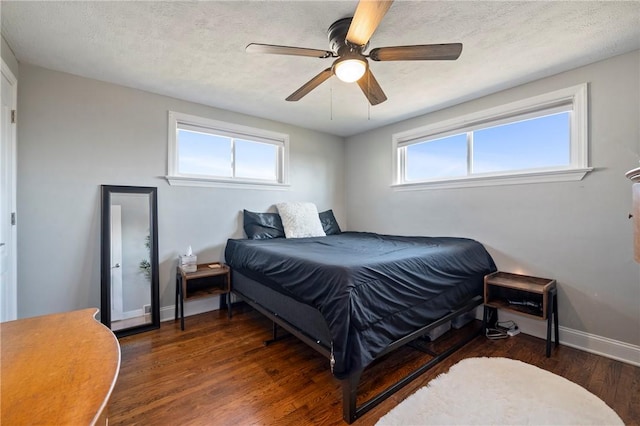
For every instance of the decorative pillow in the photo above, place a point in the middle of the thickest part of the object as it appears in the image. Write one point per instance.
(329, 223)
(300, 220)
(261, 226)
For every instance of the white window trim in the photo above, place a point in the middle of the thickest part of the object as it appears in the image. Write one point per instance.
(576, 96)
(176, 179)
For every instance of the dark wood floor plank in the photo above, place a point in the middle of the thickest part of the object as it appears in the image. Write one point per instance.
(627, 398)
(219, 372)
(605, 376)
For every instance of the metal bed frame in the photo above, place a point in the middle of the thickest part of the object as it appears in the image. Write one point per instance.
(350, 410)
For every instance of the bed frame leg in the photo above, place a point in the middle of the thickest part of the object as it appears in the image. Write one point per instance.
(274, 334)
(351, 411)
(349, 396)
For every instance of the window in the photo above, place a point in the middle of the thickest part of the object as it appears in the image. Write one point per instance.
(206, 152)
(537, 139)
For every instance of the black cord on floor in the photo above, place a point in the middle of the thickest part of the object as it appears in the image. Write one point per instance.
(502, 330)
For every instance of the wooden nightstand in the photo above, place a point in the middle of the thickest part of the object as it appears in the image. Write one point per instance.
(209, 279)
(530, 296)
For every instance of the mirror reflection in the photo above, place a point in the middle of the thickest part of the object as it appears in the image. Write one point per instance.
(130, 266)
(130, 283)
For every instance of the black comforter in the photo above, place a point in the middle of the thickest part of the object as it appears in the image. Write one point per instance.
(371, 289)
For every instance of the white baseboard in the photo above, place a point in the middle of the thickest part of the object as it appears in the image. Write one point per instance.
(192, 307)
(132, 314)
(598, 345)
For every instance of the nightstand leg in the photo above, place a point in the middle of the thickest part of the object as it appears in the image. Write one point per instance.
(484, 320)
(181, 303)
(548, 337)
(181, 312)
(555, 317)
(177, 295)
(228, 278)
(489, 318)
(550, 311)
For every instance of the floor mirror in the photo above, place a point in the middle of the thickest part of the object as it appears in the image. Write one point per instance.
(130, 301)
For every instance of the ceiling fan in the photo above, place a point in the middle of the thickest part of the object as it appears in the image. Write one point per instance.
(348, 39)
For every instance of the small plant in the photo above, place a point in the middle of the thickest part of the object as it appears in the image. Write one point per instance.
(145, 265)
(145, 268)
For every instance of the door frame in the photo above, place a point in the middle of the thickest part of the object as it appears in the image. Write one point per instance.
(9, 287)
(116, 263)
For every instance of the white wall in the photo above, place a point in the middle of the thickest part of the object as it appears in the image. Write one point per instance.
(575, 232)
(76, 134)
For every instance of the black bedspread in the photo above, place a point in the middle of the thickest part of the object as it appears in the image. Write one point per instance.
(371, 289)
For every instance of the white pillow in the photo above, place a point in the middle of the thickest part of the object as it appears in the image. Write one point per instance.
(300, 220)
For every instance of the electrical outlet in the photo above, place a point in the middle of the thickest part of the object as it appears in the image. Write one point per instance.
(146, 309)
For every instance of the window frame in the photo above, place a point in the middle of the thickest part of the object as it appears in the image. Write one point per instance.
(236, 131)
(572, 99)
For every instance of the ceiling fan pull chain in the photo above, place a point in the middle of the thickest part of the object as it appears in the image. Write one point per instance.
(368, 91)
(331, 101)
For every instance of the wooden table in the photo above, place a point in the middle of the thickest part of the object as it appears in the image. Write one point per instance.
(210, 287)
(57, 369)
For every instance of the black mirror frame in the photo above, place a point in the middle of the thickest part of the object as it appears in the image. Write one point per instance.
(105, 257)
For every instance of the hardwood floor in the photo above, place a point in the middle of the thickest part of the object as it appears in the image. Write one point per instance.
(218, 372)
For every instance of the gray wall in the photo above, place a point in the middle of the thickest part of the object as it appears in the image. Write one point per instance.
(76, 134)
(575, 232)
(8, 57)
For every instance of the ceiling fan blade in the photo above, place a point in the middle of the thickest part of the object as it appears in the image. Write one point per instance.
(287, 50)
(371, 88)
(450, 51)
(310, 85)
(368, 15)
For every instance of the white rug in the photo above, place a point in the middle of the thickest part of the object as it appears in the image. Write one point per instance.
(500, 391)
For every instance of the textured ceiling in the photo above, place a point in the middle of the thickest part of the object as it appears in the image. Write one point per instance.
(195, 51)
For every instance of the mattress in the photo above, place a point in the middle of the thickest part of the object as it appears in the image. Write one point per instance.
(371, 289)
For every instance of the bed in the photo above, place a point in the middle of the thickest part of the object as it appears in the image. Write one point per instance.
(357, 296)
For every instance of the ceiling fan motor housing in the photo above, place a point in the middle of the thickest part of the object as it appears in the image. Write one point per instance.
(338, 43)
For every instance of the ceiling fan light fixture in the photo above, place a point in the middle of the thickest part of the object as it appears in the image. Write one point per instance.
(350, 69)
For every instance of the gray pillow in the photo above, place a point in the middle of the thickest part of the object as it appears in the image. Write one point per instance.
(329, 223)
(261, 226)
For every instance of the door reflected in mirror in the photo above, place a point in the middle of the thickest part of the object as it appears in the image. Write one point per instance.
(129, 259)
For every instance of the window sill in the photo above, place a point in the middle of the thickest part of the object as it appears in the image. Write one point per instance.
(220, 183)
(562, 175)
